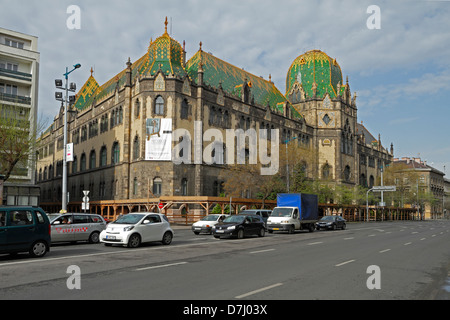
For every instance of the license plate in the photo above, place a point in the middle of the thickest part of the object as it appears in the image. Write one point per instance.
(111, 237)
(276, 228)
(219, 231)
(198, 228)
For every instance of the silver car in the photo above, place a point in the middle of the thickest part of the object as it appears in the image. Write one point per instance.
(73, 227)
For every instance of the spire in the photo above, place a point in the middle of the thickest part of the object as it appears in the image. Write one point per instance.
(166, 23)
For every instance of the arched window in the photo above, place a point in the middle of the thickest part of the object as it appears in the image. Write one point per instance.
(184, 187)
(184, 109)
(92, 159)
(135, 186)
(83, 162)
(136, 148)
(159, 105)
(137, 108)
(347, 173)
(103, 156)
(115, 153)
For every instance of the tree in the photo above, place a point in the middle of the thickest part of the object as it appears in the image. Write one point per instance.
(18, 143)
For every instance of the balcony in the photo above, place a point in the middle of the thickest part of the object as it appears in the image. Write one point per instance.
(15, 98)
(15, 74)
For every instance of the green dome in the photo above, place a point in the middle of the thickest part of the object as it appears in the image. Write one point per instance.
(166, 54)
(317, 67)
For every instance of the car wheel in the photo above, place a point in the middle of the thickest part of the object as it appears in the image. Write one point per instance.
(94, 237)
(291, 229)
(262, 232)
(196, 233)
(333, 227)
(344, 226)
(38, 249)
(134, 241)
(240, 234)
(167, 238)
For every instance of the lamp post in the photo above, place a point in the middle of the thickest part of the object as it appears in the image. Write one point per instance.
(58, 96)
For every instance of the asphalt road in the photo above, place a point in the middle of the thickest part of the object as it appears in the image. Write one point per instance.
(397, 260)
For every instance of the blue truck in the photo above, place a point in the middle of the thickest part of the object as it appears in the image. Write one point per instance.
(294, 211)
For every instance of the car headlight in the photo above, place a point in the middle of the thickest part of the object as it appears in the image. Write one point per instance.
(128, 228)
(213, 227)
(285, 221)
(231, 228)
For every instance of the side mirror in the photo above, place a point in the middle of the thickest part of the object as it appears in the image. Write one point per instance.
(56, 222)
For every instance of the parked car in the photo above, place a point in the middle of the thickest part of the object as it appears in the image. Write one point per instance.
(135, 228)
(73, 227)
(207, 222)
(239, 226)
(24, 229)
(264, 213)
(331, 223)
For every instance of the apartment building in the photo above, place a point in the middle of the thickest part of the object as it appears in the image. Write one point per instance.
(19, 83)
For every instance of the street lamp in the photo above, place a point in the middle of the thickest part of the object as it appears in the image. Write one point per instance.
(58, 96)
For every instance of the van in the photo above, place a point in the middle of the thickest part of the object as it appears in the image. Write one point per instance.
(24, 229)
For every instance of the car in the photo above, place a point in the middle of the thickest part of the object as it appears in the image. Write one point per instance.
(264, 213)
(73, 227)
(24, 229)
(239, 226)
(207, 222)
(331, 223)
(135, 228)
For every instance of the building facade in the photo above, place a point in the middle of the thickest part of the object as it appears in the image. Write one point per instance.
(117, 128)
(19, 84)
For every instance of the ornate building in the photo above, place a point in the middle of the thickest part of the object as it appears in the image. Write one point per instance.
(114, 125)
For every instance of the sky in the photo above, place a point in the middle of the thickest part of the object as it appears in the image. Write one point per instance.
(397, 59)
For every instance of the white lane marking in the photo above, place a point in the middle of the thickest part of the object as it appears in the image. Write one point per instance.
(314, 243)
(341, 264)
(351, 238)
(258, 291)
(385, 250)
(161, 266)
(422, 239)
(261, 251)
(407, 244)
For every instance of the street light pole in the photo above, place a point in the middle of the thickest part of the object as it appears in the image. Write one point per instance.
(66, 102)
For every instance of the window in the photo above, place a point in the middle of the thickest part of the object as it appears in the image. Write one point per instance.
(92, 160)
(103, 156)
(116, 153)
(83, 162)
(137, 108)
(326, 171)
(347, 173)
(184, 109)
(136, 148)
(157, 186)
(14, 43)
(135, 186)
(159, 105)
(21, 218)
(184, 187)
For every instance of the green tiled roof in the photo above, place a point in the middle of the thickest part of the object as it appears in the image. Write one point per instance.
(218, 73)
(315, 66)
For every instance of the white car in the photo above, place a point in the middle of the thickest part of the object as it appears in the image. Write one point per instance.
(135, 228)
(206, 224)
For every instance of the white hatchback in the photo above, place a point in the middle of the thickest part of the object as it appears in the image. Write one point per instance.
(135, 228)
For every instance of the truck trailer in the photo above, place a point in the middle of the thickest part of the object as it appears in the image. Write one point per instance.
(294, 211)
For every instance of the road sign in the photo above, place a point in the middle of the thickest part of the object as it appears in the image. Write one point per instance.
(384, 188)
(85, 203)
(160, 205)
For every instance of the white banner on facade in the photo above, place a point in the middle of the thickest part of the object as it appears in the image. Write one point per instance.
(69, 152)
(158, 143)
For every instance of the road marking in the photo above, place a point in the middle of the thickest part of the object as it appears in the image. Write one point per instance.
(422, 239)
(433, 236)
(351, 238)
(385, 250)
(371, 235)
(261, 251)
(407, 244)
(341, 264)
(258, 291)
(161, 266)
(414, 232)
(313, 243)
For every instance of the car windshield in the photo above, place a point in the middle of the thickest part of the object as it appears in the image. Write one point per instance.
(129, 219)
(211, 217)
(233, 219)
(327, 218)
(281, 212)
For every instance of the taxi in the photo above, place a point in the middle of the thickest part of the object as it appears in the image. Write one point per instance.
(73, 227)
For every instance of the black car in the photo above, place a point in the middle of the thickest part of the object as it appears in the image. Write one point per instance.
(331, 223)
(240, 226)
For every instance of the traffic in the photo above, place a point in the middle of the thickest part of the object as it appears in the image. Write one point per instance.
(30, 229)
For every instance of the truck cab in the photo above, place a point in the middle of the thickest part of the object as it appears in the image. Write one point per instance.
(293, 212)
